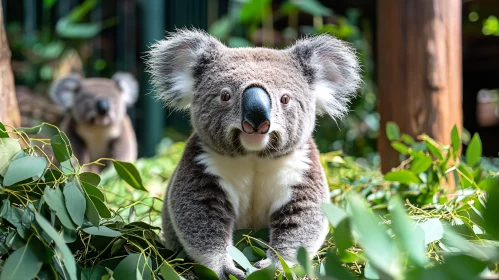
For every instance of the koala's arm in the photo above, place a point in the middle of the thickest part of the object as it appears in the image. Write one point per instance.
(300, 222)
(198, 215)
(124, 148)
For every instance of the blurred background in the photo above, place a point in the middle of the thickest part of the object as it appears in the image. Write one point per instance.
(51, 38)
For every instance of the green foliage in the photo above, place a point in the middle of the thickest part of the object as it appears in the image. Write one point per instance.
(62, 222)
(40, 56)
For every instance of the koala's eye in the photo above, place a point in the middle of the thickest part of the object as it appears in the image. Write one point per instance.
(225, 96)
(285, 99)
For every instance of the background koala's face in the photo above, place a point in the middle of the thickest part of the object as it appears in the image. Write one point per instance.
(254, 100)
(96, 101)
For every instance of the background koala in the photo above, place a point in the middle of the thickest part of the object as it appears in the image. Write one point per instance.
(96, 121)
(251, 161)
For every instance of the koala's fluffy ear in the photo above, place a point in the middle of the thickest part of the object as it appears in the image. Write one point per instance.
(332, 68)
(62, 91)
(172, 63)
(128, 85)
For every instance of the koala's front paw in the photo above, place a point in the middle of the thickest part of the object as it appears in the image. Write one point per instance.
(234, 271)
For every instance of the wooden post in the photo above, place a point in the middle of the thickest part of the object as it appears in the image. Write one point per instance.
(9, 111)
(419, 70)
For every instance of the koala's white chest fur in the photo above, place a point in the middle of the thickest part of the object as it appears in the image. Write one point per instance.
(256, 187)
(97, 139)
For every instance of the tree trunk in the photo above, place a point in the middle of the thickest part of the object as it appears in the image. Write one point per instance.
(9, 111)
(419, 70)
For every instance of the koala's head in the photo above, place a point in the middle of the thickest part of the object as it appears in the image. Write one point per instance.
(254, 100)
(95, 101)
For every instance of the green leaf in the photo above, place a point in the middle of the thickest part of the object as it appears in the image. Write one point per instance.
(255, 10)
(67, 256)
(335, 269)
(488, 183)
(333, 213)
(434, 150)
(248, 253)
(474, 150)
(93, 190)
(343, 236)
(91, 211)
(456, 267)
(266, 273)
(240, 259)
(433, 230)
(421, 164)
(117, 246)
(3, 131)
(370, 272)
(305, 262)
(93, 273)
(410, 237)
(129, 173)
(61, 147)
(67, 167)
(101, 207)
(312, 7)
(25, 262)
(75, 202)
(407, 139)
(168, 272)
(401, 148)
(102, 231)
(31, 130)
(392, 131)
(127, 268)
(204, 272)
(456, 142)
(402, 176)
(372, 236)
(24, 168)
(491, 212)
(90, 178)
(8, 149)
(55, 200)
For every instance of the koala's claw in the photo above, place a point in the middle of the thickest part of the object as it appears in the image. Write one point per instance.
(263, 263)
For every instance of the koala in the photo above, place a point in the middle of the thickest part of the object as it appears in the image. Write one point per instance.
(251, 161)
(96, 121)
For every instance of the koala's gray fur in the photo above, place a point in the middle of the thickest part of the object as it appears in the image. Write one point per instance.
(223, 183)
(93, 135)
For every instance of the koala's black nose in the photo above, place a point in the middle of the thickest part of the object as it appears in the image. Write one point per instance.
(256, 110)
(102, 106)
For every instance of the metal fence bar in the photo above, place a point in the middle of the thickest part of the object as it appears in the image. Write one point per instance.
(152, 122)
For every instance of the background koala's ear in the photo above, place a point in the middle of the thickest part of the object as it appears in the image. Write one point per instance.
(171, 63)
(62, 91)
(128, 85)
(332, 68)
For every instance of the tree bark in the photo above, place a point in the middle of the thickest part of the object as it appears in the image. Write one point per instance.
(9, 111)
(419, 70)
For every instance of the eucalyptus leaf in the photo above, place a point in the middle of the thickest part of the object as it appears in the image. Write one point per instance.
(409, 236)
(75, 202)
(8, 149)
(25, 262)
(129, 173)
(101, 207)
(204, 272)
(168, 272)
(55, 200)
(240, 259)
(67, 256)
(474, 150)
(102, 231)
(132, 263)
(456, 142)
(24, 168)
(392, 131)
(335, 269)
(402, 176)
(3, 131)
